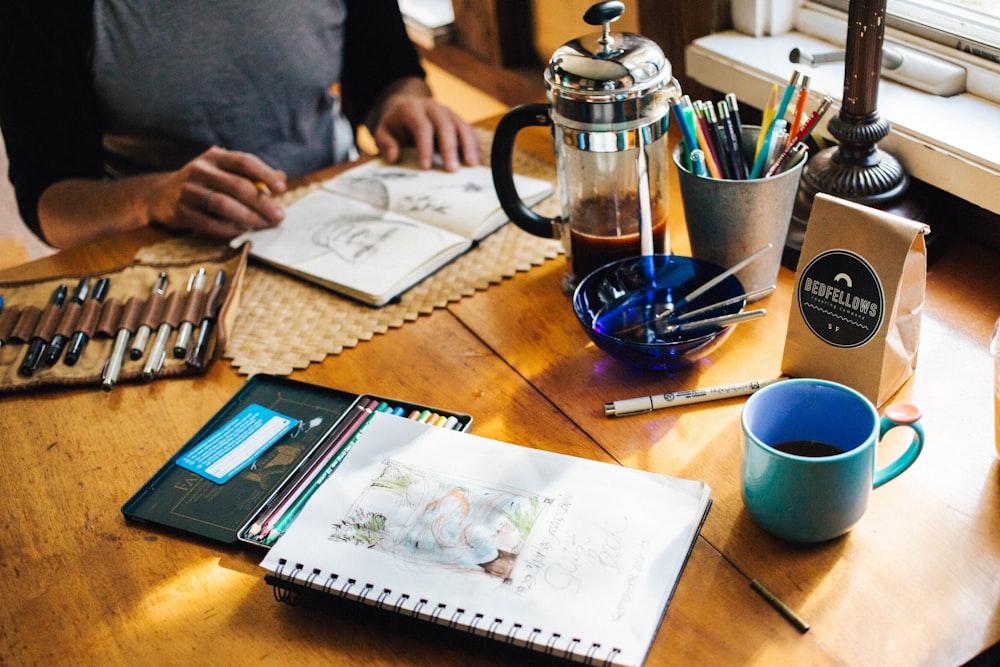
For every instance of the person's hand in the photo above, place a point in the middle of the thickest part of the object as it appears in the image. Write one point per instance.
(410, 116)
(221, 193)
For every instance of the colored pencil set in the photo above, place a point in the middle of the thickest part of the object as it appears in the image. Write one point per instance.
(331, 451)
(713, 133)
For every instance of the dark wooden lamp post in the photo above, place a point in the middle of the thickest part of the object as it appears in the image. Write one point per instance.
(856, 169)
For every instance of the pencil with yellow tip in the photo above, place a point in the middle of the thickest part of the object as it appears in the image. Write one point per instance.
(765, 122)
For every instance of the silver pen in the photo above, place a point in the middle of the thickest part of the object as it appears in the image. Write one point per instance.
(149, 314)
(128, 318)
(195, 301)
(159, 350)
(113, 367)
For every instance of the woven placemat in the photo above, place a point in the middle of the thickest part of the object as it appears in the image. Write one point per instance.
(284, 323)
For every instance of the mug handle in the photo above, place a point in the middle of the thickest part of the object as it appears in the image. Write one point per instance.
(900, 414)
(502, 164)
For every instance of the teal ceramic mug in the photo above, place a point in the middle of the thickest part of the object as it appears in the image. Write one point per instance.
(807, 459)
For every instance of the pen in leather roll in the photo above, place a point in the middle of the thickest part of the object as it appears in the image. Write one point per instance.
(151, 314)
(67, 323)
(88, 321)
(8, 318)
(196, 356)
(129, 318)
(24, 325)
(46, 325)
(171, 313)
(192, 312)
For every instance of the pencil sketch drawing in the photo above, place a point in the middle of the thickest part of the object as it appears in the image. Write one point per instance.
(422, 517)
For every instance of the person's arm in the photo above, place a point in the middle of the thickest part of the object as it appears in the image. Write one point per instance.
(384, 87)
(220, 193)
(53, 133)
(48, 110)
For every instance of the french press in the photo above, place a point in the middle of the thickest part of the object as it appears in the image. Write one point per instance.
(609, 101)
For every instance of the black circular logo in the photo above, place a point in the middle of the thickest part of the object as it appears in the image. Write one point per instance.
(841, 298)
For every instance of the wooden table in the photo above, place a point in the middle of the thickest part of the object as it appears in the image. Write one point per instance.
(917, 582)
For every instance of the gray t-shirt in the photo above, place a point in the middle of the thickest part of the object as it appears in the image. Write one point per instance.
(176, 76)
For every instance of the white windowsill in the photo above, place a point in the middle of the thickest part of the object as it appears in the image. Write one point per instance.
(949, 142)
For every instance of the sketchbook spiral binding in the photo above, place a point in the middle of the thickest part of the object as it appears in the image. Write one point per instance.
(288, 585)
(567, 557)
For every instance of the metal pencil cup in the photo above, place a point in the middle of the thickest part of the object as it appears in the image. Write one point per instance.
(728, 220)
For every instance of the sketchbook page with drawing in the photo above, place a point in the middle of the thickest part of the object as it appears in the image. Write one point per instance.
(352, 248)
(378, 229)
(543, 550)
(463, 202)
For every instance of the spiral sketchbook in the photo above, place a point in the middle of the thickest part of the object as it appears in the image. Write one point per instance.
(558, 554)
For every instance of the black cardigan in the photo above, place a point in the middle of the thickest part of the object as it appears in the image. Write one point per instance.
(49, 112)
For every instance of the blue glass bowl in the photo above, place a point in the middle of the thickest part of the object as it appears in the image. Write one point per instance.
(630, 293)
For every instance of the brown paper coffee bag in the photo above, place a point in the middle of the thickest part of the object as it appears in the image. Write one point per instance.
(859, 295)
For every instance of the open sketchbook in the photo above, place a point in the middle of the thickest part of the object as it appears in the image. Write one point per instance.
(554, 553)
(378, 229)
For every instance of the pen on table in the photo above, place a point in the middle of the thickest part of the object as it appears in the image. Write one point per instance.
(635, 406)
(87, 321)
(196, 356)
(128, 318)
(802, 135)
(44, 328)
(151, 314)
(191, 312)
(780, 606)
(67, 323)
(171, 313)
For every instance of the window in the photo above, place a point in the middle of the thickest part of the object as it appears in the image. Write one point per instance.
(947, 139)
(971, 26)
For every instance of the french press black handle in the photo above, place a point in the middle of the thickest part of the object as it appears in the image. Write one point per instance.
(502, 163)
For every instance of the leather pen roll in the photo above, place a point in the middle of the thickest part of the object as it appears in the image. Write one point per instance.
(214, 299)
(131, 314)
(27, 320)
(194, 306)
(89, 316)
(70, 318)
(46, 325)
(111, 314)
(173, 310)
(8, 318)
(151, 313)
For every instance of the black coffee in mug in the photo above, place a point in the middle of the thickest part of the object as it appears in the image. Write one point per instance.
(811, 448)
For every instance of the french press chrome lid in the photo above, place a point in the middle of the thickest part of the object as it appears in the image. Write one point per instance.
(609, 81)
